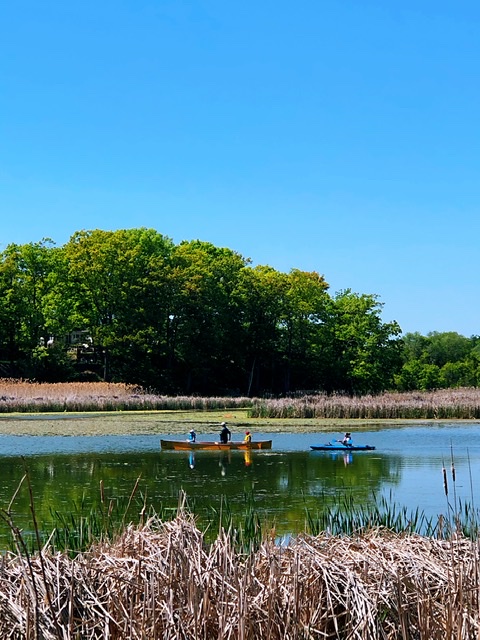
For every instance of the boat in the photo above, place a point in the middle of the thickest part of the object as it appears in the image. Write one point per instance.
(186, 445)
(338, 446)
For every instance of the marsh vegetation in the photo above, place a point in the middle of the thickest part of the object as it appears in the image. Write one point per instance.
(125, 571)
(163, 579)
(23, 396)
(443, 404)
(28, 396)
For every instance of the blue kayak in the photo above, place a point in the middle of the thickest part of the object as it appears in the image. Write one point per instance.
(338, 446)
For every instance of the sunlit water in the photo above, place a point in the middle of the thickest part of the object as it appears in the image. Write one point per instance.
(406, 466)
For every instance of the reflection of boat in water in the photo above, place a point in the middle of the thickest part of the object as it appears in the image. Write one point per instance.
(341, 447)
(185, 445)
(224, 462)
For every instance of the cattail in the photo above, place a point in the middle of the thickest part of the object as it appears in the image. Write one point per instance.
(445, 481)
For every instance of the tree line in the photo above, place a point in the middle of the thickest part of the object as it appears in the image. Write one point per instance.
(192, 318)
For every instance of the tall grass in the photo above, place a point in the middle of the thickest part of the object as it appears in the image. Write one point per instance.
(348, 517)
(32, 397)
(365, 573)
(75, 531)
(161, 580)
(443, 404)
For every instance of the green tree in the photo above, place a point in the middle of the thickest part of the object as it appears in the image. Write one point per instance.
(444, 347)
(458, 374)
(438, 360)
(416, 375)
(303, 308)
(27, 277)
(118, 287)
(361, 353)
(262, 291)
(12, 309)
(205, 324)
(414, 347)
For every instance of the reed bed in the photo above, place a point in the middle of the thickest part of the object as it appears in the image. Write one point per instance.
(160, 580)
(439, 405)
(25, 396)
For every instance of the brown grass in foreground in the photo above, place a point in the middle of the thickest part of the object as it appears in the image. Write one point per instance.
(160, 581)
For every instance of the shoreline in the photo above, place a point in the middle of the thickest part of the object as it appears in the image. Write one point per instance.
(178, 422)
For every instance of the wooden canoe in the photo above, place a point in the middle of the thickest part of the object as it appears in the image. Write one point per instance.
(185, 445)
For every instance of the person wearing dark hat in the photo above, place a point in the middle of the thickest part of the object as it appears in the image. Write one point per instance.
(225, 434)
(347, 439)
(248, 437)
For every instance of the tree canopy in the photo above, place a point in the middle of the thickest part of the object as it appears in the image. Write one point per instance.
(132, 306)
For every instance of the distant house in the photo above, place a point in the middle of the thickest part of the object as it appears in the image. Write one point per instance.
(77, 338)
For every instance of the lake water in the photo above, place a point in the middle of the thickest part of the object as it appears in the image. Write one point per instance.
(406, 467)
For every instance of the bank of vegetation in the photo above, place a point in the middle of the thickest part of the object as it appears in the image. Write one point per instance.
(445, 404)
(23, 396)
(162, 580)
(355, 573)
(191, 318)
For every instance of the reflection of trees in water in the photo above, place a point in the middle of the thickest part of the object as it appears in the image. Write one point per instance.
(282, 484)
(317, 470)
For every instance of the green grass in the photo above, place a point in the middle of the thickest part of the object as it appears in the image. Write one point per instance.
(76, 531)
(347, 517)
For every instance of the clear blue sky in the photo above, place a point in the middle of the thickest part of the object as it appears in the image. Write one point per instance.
(339, 136)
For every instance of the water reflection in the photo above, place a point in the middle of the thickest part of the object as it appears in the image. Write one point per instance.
(224, 461)
(283, 484)
(285, 481)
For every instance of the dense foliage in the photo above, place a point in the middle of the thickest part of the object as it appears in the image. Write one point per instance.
(439, 361)
(132, 306)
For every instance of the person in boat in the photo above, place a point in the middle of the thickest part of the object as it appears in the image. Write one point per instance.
(248, 437)
(192, 436)
(225, 433)
(347, 439)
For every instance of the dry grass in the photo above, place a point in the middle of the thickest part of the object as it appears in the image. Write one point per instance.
(30, 397)
(161, 581)
(437, 405)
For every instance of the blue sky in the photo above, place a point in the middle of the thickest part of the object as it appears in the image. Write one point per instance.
(336, 136)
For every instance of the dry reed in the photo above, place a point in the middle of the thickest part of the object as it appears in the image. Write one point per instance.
(161, 581)
(26, 396)
(441, 404)
(445, 404)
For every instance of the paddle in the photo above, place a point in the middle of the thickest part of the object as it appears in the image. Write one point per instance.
(347, 446)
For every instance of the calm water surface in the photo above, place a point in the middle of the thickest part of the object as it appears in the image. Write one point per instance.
(406, 466)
